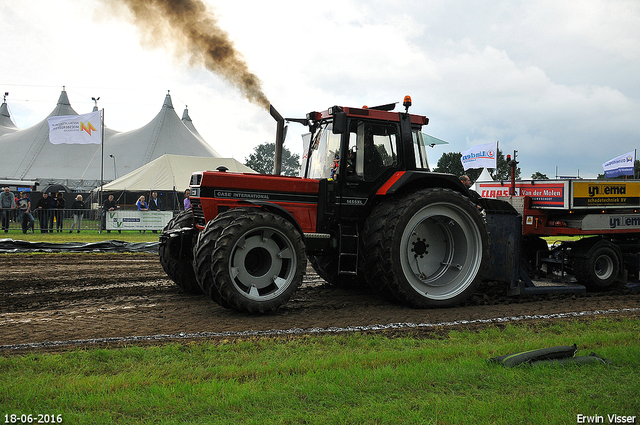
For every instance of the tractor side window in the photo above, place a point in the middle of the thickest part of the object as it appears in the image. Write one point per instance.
(324, 153)
(373, 147)
(420, 150)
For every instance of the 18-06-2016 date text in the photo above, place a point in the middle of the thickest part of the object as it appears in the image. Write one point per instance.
(33, 418)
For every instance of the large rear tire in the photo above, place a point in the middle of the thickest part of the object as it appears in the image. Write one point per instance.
(428, 249)
(258, 262)
(179, 267)
(204, 247)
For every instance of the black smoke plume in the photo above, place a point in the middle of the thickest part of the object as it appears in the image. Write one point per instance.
(195, 33)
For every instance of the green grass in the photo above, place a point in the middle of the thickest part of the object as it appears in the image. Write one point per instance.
(84, 236)
(344, 379)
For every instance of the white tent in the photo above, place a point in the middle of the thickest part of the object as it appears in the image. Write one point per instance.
(186, 120)
(164, 134)
(484, 177)
(28, 154)
(6, 123)
(171, 172)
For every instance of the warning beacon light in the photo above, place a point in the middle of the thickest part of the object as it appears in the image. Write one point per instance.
(406, 103)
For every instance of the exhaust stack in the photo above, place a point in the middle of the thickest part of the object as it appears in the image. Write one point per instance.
(277, 163)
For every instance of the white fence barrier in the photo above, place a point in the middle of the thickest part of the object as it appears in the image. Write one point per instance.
(137, 220)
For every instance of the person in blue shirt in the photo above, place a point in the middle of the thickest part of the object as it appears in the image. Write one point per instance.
(141, 204)
(187, 202)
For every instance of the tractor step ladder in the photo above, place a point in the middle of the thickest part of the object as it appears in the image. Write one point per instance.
(348, 258)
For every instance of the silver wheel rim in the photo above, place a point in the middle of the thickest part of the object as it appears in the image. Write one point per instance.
(441, 251)
(603, 267)
(263, 264)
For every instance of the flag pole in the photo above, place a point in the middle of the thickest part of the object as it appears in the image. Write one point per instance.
(101, 162)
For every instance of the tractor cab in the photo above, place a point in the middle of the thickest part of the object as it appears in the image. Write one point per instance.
(360, 144)
(357, 150)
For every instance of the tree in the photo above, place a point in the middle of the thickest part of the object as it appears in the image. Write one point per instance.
(539, 176)
(262, 160)
(451, 163)
(503, 172)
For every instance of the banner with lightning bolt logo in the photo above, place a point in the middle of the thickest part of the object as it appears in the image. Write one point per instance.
(76, 129)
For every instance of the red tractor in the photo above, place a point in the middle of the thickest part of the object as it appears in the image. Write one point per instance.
(367, 210)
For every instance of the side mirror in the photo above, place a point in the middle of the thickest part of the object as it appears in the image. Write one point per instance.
(339, 122)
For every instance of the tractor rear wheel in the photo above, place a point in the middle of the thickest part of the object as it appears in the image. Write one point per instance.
(258, 262)
(428, 249)
(203, 249)
(179, 267)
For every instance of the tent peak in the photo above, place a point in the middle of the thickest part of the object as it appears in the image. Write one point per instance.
(63, 99)
(185, 115)
(5, 118)
(167, 101)
(4, 111)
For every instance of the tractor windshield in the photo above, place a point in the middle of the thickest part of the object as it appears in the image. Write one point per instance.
(324, 153)
(420, 150)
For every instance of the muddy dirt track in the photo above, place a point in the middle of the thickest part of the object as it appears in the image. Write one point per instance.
(62, 301)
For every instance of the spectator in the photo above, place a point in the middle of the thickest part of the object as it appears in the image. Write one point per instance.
(466, 181)
(8, 204)
(473, 195)
(16, 212)
(108, 205)
(77, 208)
(187, 201)
(44, 206)
(59, 211)
(141, 204)
(24, 216)
(52, 202)
(154, 203)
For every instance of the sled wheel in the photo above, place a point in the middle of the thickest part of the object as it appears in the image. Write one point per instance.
(599, 270)
(179, 268)
(429, 248)
(258, 262)
(204, 248)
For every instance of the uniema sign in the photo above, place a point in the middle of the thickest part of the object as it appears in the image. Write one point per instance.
(594, 194)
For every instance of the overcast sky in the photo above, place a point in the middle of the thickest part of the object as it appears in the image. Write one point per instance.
(558, 81)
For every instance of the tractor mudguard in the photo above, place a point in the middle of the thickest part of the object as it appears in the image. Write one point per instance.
(178, 242)
(276, 209)
(584, 247)
(527, 357)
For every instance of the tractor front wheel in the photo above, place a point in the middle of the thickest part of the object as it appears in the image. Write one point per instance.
(203, 249)
(258, 262)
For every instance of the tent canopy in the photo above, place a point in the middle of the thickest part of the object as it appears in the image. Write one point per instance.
(485, 176)
(29, 155)
(171, 171)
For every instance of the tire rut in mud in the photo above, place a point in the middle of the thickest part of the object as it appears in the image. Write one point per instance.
(59, 297)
